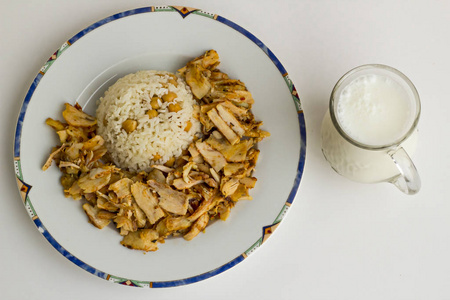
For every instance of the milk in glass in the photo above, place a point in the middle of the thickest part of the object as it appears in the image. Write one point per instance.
(372, 110)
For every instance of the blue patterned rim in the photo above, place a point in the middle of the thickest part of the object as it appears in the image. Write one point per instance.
(266, 231)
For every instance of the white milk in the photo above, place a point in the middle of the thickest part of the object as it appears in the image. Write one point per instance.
(373, 110)
(356, 163)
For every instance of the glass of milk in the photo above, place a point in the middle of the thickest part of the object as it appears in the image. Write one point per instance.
(371, 126)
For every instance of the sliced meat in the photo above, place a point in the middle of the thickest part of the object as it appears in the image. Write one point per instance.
(229, 185)
(48, 163)
(94, 143)
(89, 185)
(144, 239)
(78, 118)
(230, 119)
(147, 202)
(177, 223)
(222, 126)
(248, 182)
(171, 200)
(232, 153)
(92, 213)
(199, 83)
(181, 184)
(198, 226)
(122, 187)
(211, 156)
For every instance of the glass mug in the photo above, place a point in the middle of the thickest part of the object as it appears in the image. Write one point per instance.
(371, 126)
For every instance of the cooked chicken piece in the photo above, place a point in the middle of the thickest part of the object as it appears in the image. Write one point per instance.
(211, 156)
(209, 60)
(77, 118)
(163, 168)
(186, 169)
(229, 85)
(143, 239)
(181, 184)
(74, 191)
(199, 83)
(55, 124)
(230, 119)
(205, 192)
(240, 112)
(98, 153)
(170, 178)
(177, 223)
(141, 218)
(121, 187)
(68, 164)
(113, 197)
(156, 175)
(257, 133)
(232, 153)
(141, 177)
(106, 215)
(244, 98)
(92, 213)
(63, 136)
(205, 206)
(228, 185)
(211, 182)
(170, 200)
(198, 226)
(252, 158)
(105, 204)
(93, 144)
(48, 163)
(215, 175)
(126, 203)
(217, 75)
(241, 194)
(67, 180)
(224, 209)
(102, 171)
(235, 169)
(147, 202)
(207, 107)
(195, 155)
(206, 122)
(204, 167)
(125, 223)
(73, 152)
(196, 113)
(90, 185)
(248, 182)
(76, 134)
(123, 232)
(222, 126)
(162, 230)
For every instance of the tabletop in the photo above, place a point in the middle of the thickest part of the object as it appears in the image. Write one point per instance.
(340, 239)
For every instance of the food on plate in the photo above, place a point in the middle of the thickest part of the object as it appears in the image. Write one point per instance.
(146, 118)
(165, 154)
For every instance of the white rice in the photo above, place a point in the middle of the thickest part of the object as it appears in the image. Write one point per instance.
(164, 135)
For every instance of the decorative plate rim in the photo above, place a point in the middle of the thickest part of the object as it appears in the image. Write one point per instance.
(24, 188)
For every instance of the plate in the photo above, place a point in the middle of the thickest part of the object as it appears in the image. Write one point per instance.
(164, 38)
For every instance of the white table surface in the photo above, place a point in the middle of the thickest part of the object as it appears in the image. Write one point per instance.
(340, 239)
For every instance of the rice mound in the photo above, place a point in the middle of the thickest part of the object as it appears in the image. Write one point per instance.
(155, 140)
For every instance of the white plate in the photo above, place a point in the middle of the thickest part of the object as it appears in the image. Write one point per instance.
(162, 38)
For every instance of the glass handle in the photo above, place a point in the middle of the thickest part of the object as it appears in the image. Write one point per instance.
(408, 181)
